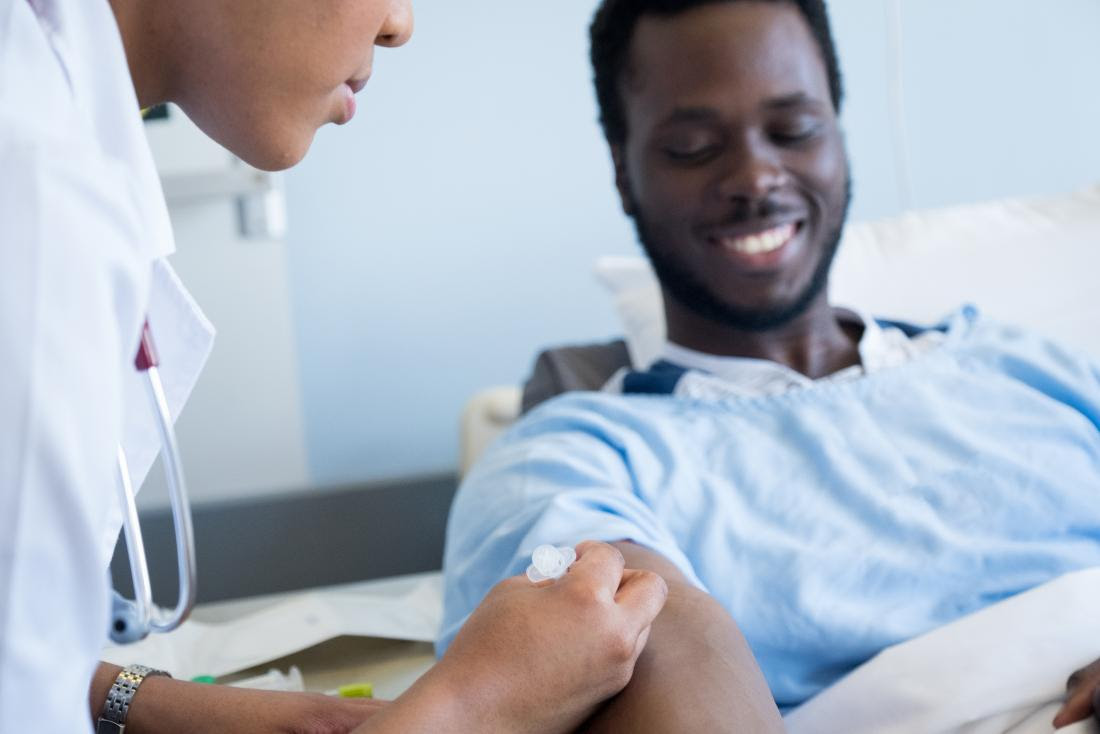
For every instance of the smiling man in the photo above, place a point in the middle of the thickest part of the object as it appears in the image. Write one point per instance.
(733, 169)
(823, 482)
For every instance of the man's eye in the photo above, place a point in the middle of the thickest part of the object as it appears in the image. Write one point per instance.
(795, 134)
(689, 154)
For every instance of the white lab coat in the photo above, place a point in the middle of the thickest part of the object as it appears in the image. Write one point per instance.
(83, 230)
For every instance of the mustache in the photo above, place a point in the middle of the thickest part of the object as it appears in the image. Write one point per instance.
(765, 209)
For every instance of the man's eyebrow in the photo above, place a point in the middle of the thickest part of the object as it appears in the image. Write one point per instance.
(709, 114)
(691, 114)
(797, 99)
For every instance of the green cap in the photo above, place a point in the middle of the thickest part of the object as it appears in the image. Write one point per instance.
(356, 690)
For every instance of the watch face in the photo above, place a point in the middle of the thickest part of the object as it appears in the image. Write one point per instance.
(108, 727)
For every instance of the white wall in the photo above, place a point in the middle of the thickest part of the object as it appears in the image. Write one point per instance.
(441, 239)
(447, 234)
(241, 432)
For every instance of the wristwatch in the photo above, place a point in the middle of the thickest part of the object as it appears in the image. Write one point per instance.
(112, 719)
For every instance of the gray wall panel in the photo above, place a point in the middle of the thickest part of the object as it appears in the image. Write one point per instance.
(286, 542)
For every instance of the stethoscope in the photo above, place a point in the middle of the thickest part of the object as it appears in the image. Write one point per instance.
(133, 620)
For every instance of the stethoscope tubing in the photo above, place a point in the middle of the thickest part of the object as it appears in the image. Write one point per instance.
(141, 607)
(181, 510)
(137, 618)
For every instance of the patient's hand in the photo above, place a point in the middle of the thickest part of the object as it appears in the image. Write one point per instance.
(1082, 696)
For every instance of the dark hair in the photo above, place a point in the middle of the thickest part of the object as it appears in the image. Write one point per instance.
(613, 28)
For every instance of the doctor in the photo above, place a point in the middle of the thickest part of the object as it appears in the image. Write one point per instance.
(83, 234)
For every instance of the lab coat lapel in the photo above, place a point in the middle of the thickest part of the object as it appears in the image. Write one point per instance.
(184, 339)
(88, 41)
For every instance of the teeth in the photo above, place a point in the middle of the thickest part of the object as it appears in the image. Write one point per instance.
(754, 244)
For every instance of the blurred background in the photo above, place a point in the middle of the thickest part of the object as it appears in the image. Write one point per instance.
(431, 247)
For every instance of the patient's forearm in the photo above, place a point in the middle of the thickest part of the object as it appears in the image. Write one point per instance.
(697, 673)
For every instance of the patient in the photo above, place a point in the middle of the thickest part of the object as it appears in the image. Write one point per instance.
(833, 483)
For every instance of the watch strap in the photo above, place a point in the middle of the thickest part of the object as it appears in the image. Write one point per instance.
(112, 718)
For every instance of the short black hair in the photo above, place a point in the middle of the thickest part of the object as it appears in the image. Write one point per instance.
(613, 29)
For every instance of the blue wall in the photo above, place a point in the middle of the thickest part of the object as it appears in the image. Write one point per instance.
(448, 233)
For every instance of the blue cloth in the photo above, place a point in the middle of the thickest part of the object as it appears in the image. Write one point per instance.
(831, 522)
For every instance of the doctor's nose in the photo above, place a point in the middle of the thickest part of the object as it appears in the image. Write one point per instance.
(398, 26)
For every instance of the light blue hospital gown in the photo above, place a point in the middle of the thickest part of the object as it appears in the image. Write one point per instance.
(830, 521)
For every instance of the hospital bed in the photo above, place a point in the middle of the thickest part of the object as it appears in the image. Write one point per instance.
(1033, 262)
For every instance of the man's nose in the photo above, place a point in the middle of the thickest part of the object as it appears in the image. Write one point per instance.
(754, 170)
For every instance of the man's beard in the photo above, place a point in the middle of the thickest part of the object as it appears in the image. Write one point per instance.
(694, 295)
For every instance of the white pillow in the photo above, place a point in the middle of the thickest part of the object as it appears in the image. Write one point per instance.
(1034, 262)
(638, 302)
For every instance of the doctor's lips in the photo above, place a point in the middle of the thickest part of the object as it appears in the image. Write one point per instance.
(350, 88)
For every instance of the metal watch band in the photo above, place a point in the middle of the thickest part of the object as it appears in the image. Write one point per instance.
(112, 719)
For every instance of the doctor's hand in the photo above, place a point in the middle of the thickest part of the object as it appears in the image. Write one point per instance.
(539, 658)
(1082, 696)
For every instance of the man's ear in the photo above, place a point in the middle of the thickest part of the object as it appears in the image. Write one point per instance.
(622, 178)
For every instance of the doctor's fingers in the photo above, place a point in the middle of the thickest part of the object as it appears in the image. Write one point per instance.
(599, 568)
(642, 596)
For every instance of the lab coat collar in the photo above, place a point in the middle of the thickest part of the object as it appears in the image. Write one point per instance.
(103, 92)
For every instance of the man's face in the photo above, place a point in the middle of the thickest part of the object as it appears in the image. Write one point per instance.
(734, 167)
(263, 75)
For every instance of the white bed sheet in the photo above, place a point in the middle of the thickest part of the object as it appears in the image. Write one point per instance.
(1002, 669)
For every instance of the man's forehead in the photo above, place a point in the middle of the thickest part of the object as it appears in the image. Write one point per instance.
(757, 51)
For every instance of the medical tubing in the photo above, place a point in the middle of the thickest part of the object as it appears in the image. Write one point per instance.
(135, 548)
(181, 509)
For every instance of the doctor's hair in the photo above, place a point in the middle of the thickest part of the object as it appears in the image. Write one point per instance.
(612, 31)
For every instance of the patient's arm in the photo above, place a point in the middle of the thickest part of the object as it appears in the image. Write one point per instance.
(696, 674)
